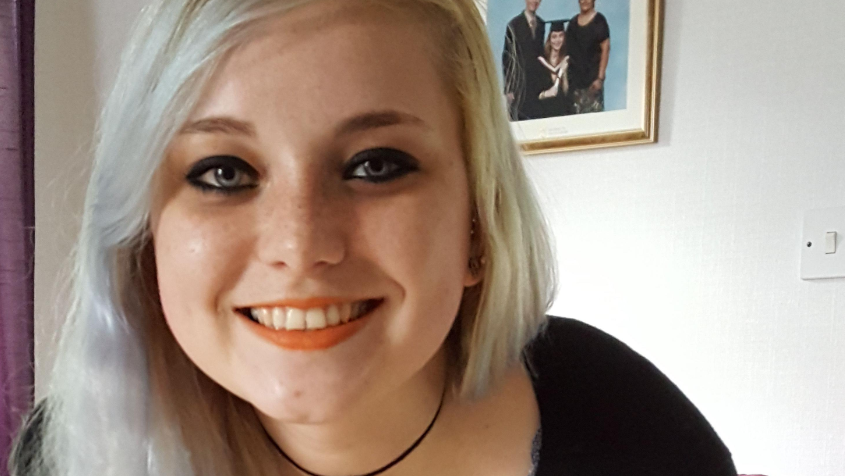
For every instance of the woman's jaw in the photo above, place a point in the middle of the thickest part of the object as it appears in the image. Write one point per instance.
(377, 214)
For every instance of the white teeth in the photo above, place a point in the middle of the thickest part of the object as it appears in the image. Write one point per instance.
(279, 318)
(263, 316)
(332, 315)
(292, 318)
(296, 319)
(315, 319)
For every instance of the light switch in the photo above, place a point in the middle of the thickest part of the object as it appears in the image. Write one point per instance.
(820, 256)
(830, 242)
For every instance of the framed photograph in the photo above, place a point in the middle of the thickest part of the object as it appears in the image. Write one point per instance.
(578, 74)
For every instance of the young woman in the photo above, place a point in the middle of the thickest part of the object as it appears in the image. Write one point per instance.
(280, 273)
(554, 98)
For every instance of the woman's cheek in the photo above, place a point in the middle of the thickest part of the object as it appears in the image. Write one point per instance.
(193, 253)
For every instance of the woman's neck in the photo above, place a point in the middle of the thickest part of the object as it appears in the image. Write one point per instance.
(585, 17)
(373, 432)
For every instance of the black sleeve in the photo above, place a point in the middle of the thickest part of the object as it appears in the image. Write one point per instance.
(603, 27)
(613, 412)
(508, 55)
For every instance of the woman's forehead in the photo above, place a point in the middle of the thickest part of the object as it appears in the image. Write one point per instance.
(327, 61)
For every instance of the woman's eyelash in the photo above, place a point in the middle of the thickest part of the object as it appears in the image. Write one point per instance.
(379, 165)
(221, 169)
(226, 174)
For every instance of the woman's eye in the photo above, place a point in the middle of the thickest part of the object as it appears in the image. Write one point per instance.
(223, 174)
(380, 165)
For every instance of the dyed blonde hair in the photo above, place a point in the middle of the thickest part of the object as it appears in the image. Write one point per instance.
(123, 398)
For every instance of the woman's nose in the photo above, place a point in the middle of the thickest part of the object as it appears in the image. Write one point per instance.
(300, 228)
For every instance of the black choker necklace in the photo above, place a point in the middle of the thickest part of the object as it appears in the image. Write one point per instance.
(384, 468)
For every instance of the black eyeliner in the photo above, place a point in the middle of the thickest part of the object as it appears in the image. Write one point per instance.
(404, 162)
(208, 163)
(202, 167)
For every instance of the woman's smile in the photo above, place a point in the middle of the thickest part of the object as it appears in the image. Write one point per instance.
(349, 190)
(322, 324)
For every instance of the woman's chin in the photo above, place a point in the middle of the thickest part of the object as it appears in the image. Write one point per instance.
(300, 411)
(283, 401)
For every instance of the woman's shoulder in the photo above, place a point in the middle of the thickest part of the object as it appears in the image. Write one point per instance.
(604, 407)
(26, 448)
(561, 335)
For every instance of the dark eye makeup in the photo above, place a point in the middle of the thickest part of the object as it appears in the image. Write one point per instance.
(224, 174)
(228, 174)
(380, 165)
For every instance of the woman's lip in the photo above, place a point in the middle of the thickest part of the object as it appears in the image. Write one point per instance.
(307, 303)
(314, 339)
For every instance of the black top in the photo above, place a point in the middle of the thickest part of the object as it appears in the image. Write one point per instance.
(606, 410)
(521, 69)
(583, 45)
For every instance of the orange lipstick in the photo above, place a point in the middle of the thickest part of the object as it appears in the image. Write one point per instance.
(309, 339)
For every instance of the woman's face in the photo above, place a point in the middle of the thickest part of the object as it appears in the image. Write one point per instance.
(587, 5)
(321, 175)
(556, 39)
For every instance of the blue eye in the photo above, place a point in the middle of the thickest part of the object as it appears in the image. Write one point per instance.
(380, 165)
(222, 174)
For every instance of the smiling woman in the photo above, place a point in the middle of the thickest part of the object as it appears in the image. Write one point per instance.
(309, 242)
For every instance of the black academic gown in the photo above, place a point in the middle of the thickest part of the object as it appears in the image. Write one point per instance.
(523, 73)
(557, 106)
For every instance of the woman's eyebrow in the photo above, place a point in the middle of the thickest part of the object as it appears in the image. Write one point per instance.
(358, 123)
(377, 119)
(225, 125)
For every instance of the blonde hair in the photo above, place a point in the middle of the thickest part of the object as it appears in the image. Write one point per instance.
(124, 399)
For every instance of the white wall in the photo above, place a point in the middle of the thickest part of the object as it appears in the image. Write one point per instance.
(77, 45)
(688, 250)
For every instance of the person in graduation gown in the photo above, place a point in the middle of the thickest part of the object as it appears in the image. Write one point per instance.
(554, 98)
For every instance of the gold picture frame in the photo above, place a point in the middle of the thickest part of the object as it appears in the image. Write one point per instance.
(637, 121)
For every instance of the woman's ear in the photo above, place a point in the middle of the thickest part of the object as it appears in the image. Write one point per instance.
(473, 277)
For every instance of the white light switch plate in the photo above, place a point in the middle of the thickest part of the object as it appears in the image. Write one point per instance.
(815, 262)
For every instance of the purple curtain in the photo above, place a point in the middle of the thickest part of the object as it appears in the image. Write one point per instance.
(17, 216)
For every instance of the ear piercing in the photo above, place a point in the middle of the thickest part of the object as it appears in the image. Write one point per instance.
(475, 265)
